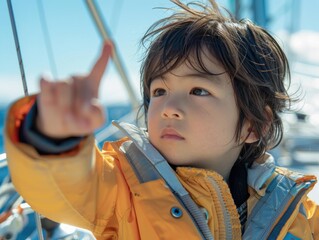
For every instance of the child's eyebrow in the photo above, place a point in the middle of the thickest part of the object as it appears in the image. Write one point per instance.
(217, 78)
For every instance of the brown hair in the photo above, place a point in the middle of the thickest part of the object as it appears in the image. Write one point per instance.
(253, 59)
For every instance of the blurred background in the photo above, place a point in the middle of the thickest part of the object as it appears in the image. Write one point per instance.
(60, 38)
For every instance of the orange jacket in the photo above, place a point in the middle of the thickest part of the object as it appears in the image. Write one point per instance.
(98, 190)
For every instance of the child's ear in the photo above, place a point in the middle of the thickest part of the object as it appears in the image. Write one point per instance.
(250, 134)
(250, 131)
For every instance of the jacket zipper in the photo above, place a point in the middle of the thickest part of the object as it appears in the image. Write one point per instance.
(227, 218)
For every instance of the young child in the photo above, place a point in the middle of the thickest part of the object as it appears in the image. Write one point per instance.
(213, 88)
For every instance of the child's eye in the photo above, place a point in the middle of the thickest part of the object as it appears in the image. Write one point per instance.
(199, 92)
(158, 92)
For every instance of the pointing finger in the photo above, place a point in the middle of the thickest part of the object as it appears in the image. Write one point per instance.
(101, 63)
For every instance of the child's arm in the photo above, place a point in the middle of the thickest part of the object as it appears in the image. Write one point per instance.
(69, 187)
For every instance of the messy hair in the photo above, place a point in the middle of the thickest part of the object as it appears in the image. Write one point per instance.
(253, 59)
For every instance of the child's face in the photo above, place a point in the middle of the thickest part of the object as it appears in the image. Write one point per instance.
(192, 118)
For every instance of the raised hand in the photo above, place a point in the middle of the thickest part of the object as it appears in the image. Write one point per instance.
(70, 107)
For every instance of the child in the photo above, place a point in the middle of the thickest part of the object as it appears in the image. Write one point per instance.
(213, 88)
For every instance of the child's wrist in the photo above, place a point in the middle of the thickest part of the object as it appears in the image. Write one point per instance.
(31, 133)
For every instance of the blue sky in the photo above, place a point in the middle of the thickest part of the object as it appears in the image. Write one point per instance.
(75, 41)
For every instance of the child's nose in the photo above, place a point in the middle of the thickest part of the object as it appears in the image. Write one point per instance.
(173, 109)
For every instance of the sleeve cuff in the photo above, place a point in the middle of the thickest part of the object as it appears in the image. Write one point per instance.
(29, 134)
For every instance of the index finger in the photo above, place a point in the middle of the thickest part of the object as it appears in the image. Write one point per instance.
(99, 67)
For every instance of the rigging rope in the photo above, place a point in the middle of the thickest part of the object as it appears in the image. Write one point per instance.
(25, 87)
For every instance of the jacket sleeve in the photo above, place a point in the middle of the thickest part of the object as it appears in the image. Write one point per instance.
(79, 187)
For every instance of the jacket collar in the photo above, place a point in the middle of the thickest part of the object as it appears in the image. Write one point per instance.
(260, 171)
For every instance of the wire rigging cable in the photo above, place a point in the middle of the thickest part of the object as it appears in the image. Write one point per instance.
(16, 41)
(47, 40)
(116, 13)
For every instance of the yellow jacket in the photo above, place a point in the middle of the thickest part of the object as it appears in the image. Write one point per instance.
(98, 190)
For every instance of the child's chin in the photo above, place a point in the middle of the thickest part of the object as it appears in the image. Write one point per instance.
(176, 163)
